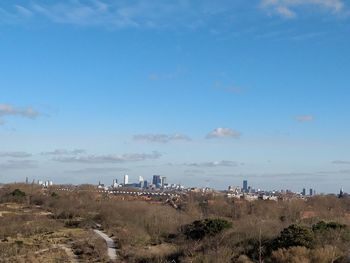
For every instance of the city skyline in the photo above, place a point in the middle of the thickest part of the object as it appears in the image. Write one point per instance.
(199, 92)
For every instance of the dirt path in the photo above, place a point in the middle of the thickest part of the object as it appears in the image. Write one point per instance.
(112, 252)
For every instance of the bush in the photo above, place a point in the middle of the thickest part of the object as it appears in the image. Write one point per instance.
(207, 227)
(323, 226)
(18, 193)
(294, 236)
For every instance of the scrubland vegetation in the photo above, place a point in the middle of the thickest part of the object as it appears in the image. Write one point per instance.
(200, 229)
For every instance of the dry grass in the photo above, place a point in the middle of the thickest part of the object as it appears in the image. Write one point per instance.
(147, 231)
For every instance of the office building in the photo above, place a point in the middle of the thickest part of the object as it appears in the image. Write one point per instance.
(163, 181)
(304, 192)
(157, 181)
(245, 186)
(141, 182)
(126, 179)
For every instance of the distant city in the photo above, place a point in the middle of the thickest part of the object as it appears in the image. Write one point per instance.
(159, 183)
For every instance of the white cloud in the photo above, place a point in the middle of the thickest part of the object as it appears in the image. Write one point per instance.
(341, 162)
(18, 164)
(161, 138)
(194, 171)
(114, 14)
(135, 157)
(10, 110)
(222, 163)
(223, 133)
(150, 14)
(65, 152)
(305, 118)
(228, 88)
(285, 12)
(15, 154)
(288, 8)
(23, 11)
(98, 170)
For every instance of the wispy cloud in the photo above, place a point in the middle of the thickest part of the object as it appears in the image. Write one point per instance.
(116, 14)
(135, 157)
(194, 171)
(18, 164)
(289, 8)
(341, 162)
(65, 152)
(305, 118)
(223, 163)
(22, 11)
(98, 170)
(161, 76)
(223, 133)
(228, 88)
(161, 138)
(15, 154)
(152, 14)
(25, 112)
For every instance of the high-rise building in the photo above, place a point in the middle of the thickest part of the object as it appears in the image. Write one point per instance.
(163, 181)
(141, 182)
(311, 192)
(245, 186)
(126, 179)
(157, 180)
(304, 192)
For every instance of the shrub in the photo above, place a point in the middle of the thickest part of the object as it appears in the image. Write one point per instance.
(294, 236)
(323, 226)
(18, 193)
(207, 227)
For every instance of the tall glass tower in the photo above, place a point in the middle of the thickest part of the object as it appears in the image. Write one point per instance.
(245, 186)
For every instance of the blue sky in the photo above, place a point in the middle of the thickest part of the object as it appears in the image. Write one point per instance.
(205, 93)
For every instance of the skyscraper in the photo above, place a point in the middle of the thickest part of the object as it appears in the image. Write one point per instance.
(157, 181)
(126, 179)
(245, 186)
(141, 182)
(311, 192)
(304, 192)
(163, 181)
